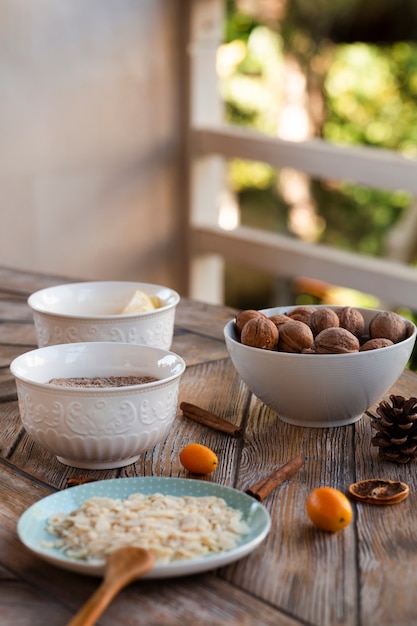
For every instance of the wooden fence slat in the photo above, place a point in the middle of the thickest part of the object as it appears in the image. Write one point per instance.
(374, 167)
(393, 283)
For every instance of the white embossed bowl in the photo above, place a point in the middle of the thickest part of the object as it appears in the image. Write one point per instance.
(90, 311)
(97, 428)
(319, 390)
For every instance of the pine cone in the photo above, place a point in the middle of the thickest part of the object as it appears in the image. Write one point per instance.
(397, 429)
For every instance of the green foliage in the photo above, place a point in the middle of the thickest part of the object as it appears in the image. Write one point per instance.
(251, 91)
(371, 96)
(371, 100)
(238, 24)
(251, 175)
(357, 218)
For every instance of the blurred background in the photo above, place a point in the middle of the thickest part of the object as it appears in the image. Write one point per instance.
(93, 114)
(343, 70)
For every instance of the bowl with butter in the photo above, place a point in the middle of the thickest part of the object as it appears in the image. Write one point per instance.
(117, 311)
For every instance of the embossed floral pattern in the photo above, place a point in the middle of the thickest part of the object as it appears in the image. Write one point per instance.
(155, 332)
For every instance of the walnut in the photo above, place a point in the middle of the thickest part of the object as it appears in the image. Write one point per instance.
(260, 332)
(388, 325)
(336, 341)
(245, 316)
(301, 314)
(374, 344)
(352, 320)
(323, 318)
(295, 336)
(279, 319)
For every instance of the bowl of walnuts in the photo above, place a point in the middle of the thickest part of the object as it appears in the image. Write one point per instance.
(322, 365)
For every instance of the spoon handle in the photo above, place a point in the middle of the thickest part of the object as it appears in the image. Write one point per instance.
(124, 565)
(95, 605)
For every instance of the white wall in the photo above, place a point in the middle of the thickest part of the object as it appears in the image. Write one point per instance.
(89, 137)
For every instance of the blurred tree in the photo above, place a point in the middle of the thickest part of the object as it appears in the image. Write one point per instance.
(354, 93)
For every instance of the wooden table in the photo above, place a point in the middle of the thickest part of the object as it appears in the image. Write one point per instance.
(363, 575)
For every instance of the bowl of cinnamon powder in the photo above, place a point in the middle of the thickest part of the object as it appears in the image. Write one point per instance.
(98, 405)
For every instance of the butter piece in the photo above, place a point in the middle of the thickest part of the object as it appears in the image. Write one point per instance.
(139, 303)
(156, 301)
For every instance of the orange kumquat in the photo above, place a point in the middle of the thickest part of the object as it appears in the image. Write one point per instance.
(329, 509)
(198, 459)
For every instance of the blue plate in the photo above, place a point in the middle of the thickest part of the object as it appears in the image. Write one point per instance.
(32, 532)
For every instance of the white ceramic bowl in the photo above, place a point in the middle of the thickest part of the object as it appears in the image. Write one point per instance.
(99, 428)
(319, 390)
(89, 311)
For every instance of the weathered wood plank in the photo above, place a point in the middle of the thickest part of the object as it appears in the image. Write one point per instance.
(290, 258)
(10, 426)
(43, 465)
(203, 318)
(329, 575)
(17, 334)
(24, 283)
(387, 554)
(21, 604)
(7, 385)
(14, 308)
(197, 349)
(374, 167)
(8, 353)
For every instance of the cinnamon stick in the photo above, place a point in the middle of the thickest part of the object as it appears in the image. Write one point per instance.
(80, 480)
(202, 416)
(264, 487)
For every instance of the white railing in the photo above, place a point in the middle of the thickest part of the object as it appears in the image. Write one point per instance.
(211, 143)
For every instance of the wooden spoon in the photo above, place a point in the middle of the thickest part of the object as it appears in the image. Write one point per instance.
(123, 567)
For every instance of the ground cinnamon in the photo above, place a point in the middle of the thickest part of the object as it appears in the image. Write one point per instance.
(203, 416)
(264, 487)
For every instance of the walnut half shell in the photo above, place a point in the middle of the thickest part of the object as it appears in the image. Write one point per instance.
(379, 491)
